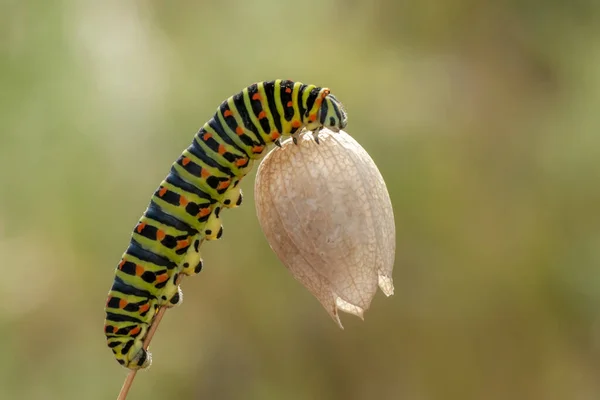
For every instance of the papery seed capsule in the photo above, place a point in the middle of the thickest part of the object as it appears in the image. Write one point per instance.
(326, 212)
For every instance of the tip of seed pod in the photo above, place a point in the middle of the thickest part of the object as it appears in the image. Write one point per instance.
(386, 284)
(336, 317)
(343, 305)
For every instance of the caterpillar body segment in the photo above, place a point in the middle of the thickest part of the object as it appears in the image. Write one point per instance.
(184, 211)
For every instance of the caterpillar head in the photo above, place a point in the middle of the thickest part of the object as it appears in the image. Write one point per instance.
(330, 113)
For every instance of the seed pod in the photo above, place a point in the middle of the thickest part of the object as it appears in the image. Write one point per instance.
(326, 212)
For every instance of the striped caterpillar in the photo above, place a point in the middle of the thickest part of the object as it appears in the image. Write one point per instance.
(185, 208)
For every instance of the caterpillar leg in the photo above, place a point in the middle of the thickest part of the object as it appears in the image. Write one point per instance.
(140, 360)
(171, 294)
(233, 197)
(315, 135)
(213, 229)
(192, 263)
(132, 355)
(176, 299)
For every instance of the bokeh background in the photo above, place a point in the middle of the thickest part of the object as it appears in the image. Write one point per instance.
(483, 117)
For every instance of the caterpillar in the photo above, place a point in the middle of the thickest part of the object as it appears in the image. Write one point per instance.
(184, 210)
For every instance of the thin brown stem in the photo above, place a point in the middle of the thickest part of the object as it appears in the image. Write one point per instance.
(129, 380)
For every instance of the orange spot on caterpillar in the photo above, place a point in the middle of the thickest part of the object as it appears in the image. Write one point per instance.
(288, 90)
(144, 308)
(262, 115)
(160, 235)
(108, 300)
(258, 149)
(206, 136)
(313, 117)
(161, 278)
(135, 331)
(122, 303)
(256, 96)
(141, 227)
(139, 270)
(227, 113)
(239, 130)
(203, 212)
(182, 244)
(204, 173)
(162, 192)
(183, 201)
(224, 184)
(240, 162)
(296, 124)
(121, 263)
(289, 103)
(222, 149)
(185, 161)
(275, 135)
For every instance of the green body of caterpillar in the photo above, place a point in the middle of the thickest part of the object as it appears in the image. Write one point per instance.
(185, 209)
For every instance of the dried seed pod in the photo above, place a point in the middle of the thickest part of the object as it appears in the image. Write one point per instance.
(327, 214)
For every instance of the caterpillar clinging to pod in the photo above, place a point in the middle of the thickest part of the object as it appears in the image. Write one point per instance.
(184, 210)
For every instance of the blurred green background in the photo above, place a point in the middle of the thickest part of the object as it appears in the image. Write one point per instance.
(482, 117)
